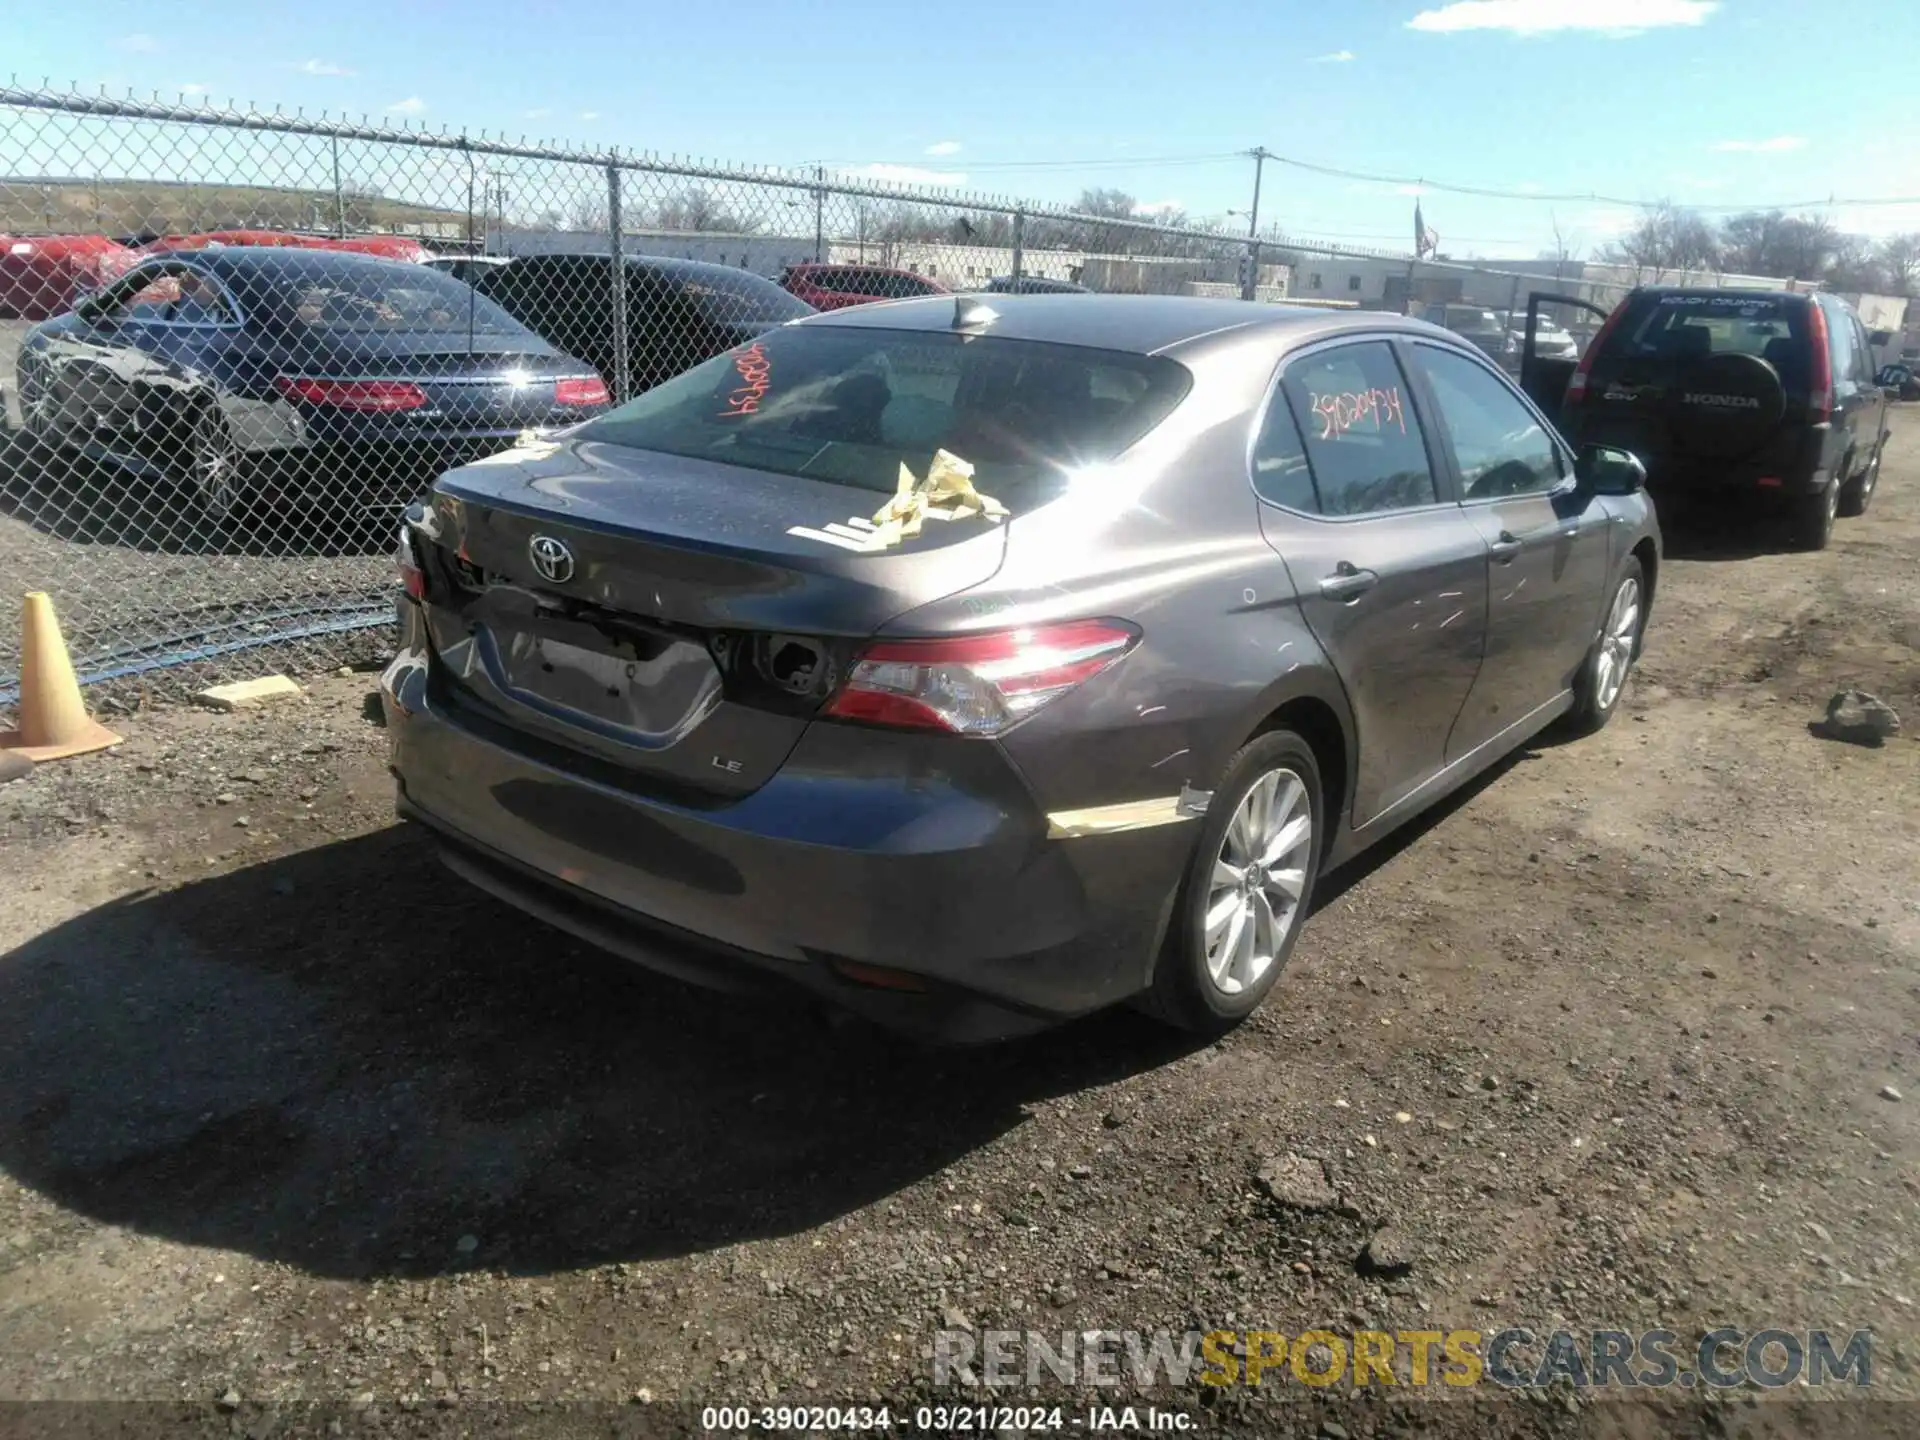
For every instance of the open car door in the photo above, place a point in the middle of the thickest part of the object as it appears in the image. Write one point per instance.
(1544, 377)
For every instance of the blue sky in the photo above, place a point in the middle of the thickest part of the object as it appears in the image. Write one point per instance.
(1716, 104)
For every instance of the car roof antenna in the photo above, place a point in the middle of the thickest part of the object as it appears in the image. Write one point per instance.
(971, 313)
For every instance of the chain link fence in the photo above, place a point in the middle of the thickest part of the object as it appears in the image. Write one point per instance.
(235, 344)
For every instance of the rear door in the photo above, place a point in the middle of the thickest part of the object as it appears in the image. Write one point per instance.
(1543, 379)
(1547, 542)
(1392, 576)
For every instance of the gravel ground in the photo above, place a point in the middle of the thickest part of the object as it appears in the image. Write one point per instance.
(1627, 1036)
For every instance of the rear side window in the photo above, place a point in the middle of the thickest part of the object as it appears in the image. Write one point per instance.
(1840, 344)
(1362, 439)
(1281, 475)
(374, 297)
(728, 299)
(851, 405)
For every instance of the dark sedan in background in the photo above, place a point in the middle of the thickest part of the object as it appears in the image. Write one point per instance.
(679, 312)
(202, 365)
(1261, 584)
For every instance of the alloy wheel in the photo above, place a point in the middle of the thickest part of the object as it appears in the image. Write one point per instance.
(1259, 876)
(212, 465)
(1617, 641)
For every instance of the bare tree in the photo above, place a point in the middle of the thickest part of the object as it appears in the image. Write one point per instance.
(1900, 259)
(695, 208)
(1563, 252)
(588, 212)
(1108, 204)
(1858, 266)
(1752, 242)
(1667, 239)
(1808, 245)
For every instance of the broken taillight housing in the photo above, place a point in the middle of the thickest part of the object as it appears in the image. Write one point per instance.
(977, 684)
(407, 564)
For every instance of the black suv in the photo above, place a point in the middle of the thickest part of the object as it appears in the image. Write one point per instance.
(1754, 392)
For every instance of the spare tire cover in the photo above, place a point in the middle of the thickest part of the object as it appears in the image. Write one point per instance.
(1725, 405)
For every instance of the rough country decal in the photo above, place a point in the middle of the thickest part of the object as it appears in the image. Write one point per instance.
(1742, 303)
(1724, 402)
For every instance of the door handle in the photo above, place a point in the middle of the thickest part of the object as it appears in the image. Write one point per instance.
(1347, 583)
(1506, 547)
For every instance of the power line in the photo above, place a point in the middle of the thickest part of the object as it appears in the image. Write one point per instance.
(1486, 192)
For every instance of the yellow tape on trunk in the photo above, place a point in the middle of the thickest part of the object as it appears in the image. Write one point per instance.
(946, 493)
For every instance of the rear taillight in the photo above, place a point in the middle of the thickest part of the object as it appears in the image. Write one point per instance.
(1820, 390)
(572, 392)
(361, 395)
(977, 684)
(1577, 386)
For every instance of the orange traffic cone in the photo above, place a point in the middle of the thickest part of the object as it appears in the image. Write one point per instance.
(53, 720)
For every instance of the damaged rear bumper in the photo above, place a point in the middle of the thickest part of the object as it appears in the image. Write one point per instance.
(928, 896)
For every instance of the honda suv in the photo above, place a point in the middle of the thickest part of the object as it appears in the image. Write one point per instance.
(1746, 393)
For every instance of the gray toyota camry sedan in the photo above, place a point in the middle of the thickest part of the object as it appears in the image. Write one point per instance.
(978, 662)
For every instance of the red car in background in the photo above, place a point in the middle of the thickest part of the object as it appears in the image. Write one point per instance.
(834, 287)
(43, 275)
(387, 247)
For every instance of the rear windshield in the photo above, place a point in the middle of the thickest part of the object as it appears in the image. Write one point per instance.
(741, 299)
(388, 299)
(851, 405)
(1692, 326)
(1469, 320)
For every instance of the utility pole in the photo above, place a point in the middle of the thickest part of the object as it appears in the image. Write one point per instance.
(1260, 155)
(1251, 284)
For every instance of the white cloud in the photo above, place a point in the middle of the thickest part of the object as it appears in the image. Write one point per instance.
(905, 174)
(539, 114)
(1542, 17)
(1334, 57)
(139, 44)
(589, 114)
(944, 147)
(412, 105)
(1761, 147)
(1415, 190)
(320, 67)
(193, 89)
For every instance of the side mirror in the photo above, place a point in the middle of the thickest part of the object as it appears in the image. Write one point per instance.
(1603, 470)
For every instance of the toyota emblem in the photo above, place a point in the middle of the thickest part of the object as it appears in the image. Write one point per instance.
(551, 558)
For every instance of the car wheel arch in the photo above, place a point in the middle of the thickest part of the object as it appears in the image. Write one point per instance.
(1648, 554)
(1314, 707)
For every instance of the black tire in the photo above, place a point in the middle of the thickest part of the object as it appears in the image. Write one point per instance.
(1595, 695)
(1813, 517)
(1858, 492)
(1185, 992)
